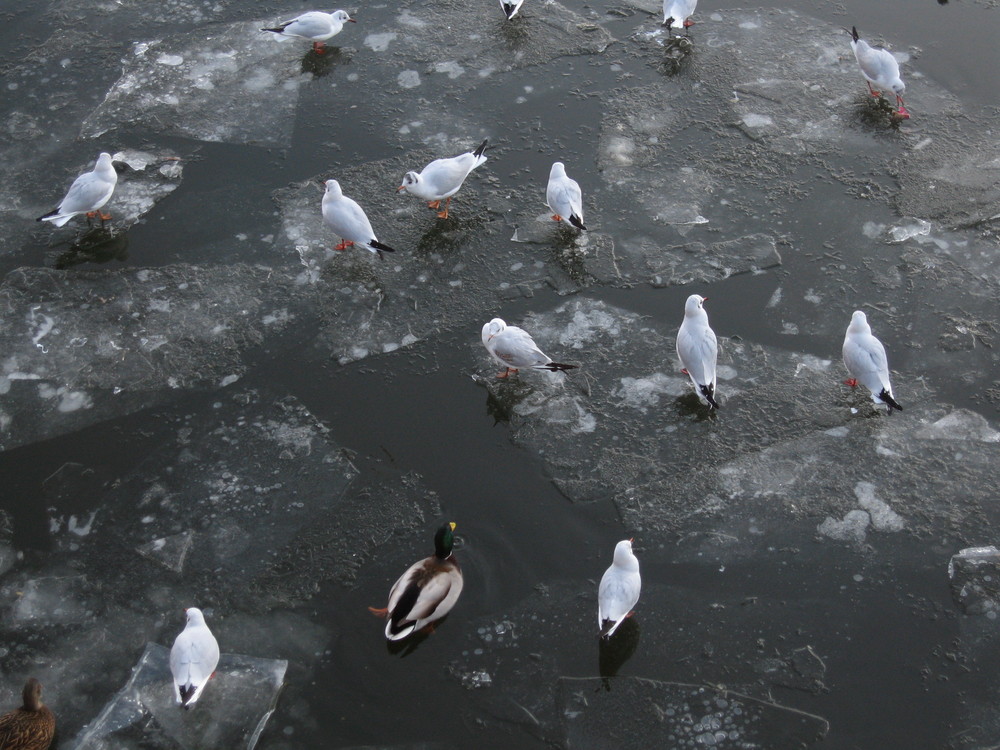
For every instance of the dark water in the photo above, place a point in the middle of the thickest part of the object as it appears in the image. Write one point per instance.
(897, 670)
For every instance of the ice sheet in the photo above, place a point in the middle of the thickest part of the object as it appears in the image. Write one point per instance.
(232, 711)
(228, 83)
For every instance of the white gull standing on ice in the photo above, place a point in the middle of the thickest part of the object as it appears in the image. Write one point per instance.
(564, 197)
(88, 193)
(511, 8)
(514, 348)
(193, 658)
(698, 349)
(677, 13)
(619, 590)
(316, 26)
(864, 357)
(345, 217)
(442, 178)
(878, 66)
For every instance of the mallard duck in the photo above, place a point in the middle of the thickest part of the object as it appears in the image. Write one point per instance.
(193, 658)
(30, 727)
(426, 592)
(619, 589)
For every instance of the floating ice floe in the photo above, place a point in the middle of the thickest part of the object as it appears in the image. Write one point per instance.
(232, 711)
(228, 83)
(82, 346)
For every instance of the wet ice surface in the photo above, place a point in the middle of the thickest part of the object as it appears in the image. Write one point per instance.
(145, 706)
(84, 346)
(231, 83)
(751, 151)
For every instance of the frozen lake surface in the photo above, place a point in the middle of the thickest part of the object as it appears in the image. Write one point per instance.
(202, 404)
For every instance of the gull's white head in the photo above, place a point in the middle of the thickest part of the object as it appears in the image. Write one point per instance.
(409, 180)
(859, 323)
(558, 170)
(898, 86)
(333, 189)
(104, 160)
(623, 555)
(194, 616)
(492, 328)
(342, 16)
(694, 304)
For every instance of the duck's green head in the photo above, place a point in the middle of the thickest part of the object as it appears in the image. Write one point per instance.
(444, 540)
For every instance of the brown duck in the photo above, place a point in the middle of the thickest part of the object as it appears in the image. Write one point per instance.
(30, 727)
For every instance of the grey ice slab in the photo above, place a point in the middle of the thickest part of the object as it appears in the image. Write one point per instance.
(227, 495)
(83, 346)
(858, 483)
(456, 45)
(629, 417)
(228, 83)
(232, 712)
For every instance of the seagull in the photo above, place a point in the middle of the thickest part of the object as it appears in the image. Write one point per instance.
(677, 14)
(87, 194)
(698, 349)
(315, 25)
(442, 178)
(514, 348)
(426, 592)
(864, 357)
(878, 66)
(193, 658)
(564, 197)
(619, 589)
(510, 9)
(345, 217)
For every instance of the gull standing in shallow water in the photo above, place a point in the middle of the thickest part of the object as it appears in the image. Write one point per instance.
(514, 348)
(698, 349)
(193, 658)
(619, 589)
(442, 178)
(878, 66)
(511, 8)
(345, 217)
(426, 592)
(864, 357)
(315, 26)
(564, 197)
(677, 14)
(88, 193)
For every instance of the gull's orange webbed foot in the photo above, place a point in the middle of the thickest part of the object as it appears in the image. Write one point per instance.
(851, 382)
(507, 372)
(383, 612)
(105, 217)
(557, 217)
(434, 204)
(443, 214)
(344, 244)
